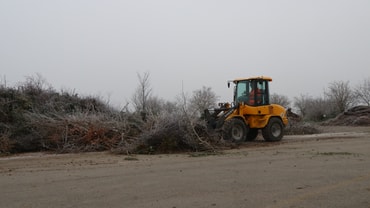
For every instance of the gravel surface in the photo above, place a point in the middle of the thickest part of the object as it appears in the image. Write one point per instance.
(331, 169)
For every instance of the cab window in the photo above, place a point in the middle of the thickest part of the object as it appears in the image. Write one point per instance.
(261, 97)
(242, 91)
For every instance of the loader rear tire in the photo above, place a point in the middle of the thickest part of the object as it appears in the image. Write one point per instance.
(274, 131)
(235, 130)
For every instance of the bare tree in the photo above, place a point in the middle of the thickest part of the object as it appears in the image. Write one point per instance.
(362, 91)
(156, 106)
(341, 94)
(301, 103)
(191, 119)
(142, 94)
(202, 99)
(3, 82)
(315, 109)
(35, 85)
(280, 99)
(170, 107)
(319, 109)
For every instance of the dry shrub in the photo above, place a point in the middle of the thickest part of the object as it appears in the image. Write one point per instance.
(6, 143)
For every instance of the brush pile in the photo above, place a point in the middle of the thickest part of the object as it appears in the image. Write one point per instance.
(37, 118)
(356, 116)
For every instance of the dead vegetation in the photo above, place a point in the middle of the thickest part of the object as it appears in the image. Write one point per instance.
(35, 117)
(167, 133)
(356, 116)
(297, 126)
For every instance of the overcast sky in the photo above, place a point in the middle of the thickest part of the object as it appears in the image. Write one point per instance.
(97, 47)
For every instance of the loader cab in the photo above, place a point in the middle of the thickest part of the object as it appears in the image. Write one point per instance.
(252, 91)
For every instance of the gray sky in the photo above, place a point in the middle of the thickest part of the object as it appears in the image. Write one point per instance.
(97, 47)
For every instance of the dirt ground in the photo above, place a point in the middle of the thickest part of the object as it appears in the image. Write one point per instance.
(331, 169)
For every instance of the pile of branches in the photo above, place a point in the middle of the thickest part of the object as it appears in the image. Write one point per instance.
(35, 118)
(81, 132)
(356, 116)
(297, 126)
(174, 132)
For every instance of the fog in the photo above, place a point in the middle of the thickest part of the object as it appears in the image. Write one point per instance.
(99, 47)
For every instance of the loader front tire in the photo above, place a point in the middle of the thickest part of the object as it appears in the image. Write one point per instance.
(235, 130)
(274, 131)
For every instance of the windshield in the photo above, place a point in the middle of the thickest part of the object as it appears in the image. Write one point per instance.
(252, 92)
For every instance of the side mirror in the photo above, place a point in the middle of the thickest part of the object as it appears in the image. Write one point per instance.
(228, 83)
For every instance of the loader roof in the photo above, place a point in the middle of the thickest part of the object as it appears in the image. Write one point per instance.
(252, 78)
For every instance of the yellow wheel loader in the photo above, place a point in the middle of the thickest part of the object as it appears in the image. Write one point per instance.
(250, 112)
